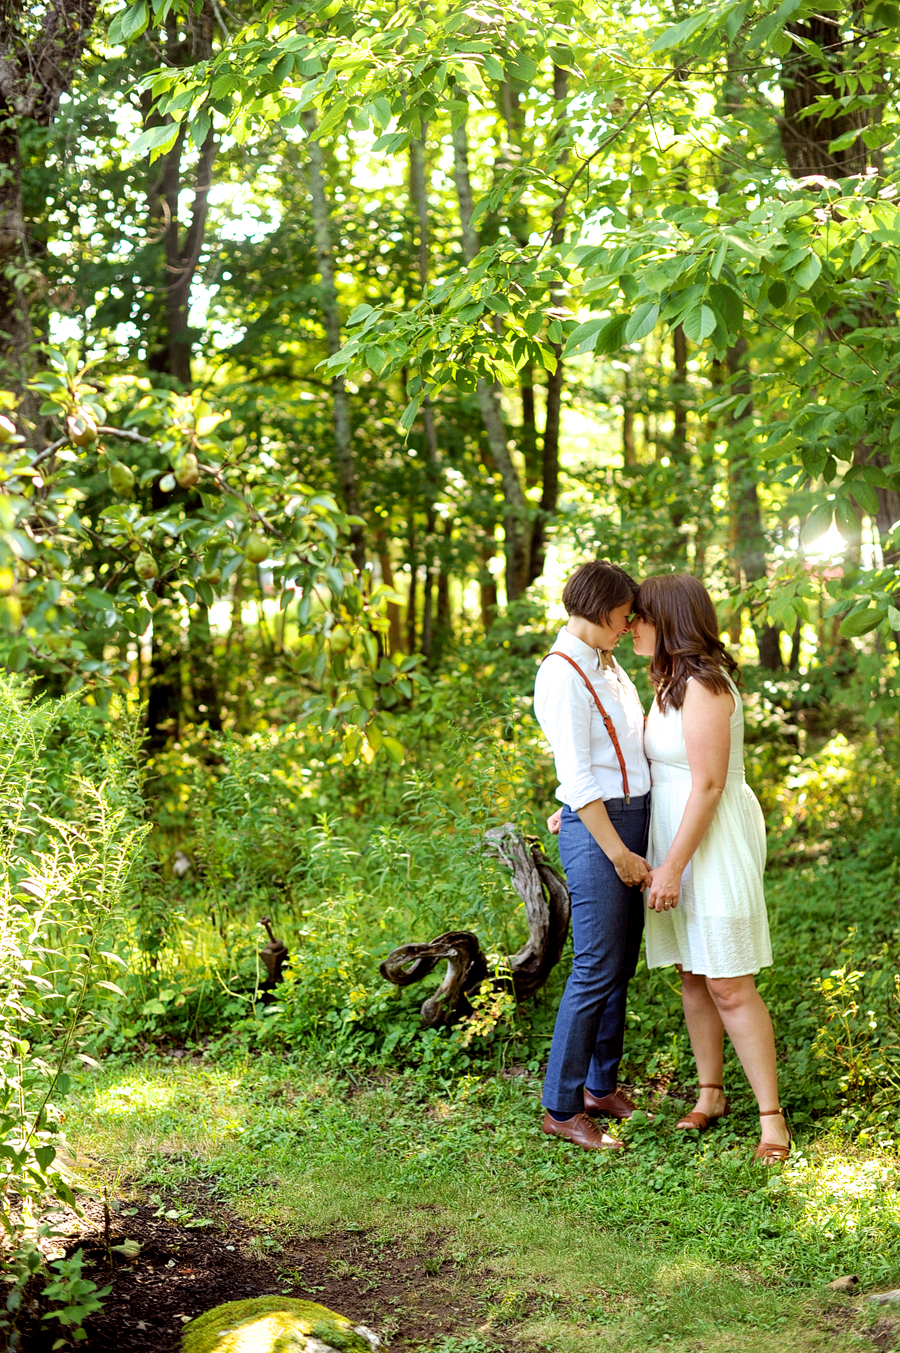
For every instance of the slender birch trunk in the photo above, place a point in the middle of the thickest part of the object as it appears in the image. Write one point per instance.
(419, 195)
(516, 523)
(343, 443)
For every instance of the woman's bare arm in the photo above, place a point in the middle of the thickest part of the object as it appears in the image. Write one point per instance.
(707, 738)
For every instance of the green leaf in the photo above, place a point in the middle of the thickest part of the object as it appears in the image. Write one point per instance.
(843, 142)
(642, 322)
(777, 293)
(583, 338)
(612, 335)
(410, 413)
(155, 140)
(17, 657)
(866, 496)
(818, 524)
(200, 128)
(382, 111)
(807, 273)
(129, 24)
(845, 519)
(680, 32)
(861, 622)
(391, 142)
(394, 749)
(522, 68)
(893, 616)
(700, 323)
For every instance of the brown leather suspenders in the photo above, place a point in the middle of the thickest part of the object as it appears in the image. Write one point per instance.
(607, 721)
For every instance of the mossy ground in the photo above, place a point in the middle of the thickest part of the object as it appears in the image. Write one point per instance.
(681, 1245)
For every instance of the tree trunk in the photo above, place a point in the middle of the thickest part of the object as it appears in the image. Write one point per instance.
(182, 249)
(395, 637)
(680, 394)
(165, 696)
(530, 451)
(444, 627)
(182, 265)
(487, 586)
(343, 444)
(204, 683)
(805, 139)
(629, 456)
(16, 335)
(38, 61)
(516, 525)
(550, 449)
(748, 536)
(419, 196)
(412, 558)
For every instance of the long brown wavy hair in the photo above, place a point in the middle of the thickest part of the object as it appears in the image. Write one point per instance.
(687, 637)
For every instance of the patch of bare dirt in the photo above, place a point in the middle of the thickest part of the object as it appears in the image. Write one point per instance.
(412, 1299)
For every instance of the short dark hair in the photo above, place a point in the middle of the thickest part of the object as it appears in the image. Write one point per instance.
(596, 589)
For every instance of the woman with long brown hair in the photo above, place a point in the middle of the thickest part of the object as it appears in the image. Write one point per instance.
(706, 911)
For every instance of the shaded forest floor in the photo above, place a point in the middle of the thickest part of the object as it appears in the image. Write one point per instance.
(441, 1218)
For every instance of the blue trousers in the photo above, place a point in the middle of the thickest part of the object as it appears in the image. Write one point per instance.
(607, 925)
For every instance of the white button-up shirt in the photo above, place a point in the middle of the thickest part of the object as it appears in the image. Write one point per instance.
(586, 761)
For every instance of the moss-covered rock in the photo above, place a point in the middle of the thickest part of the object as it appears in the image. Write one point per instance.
(275, 1325)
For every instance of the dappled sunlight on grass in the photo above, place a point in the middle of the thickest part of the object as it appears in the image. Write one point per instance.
(842, 1193)
(129, 1113)
(136, 1095)
(675, 1277)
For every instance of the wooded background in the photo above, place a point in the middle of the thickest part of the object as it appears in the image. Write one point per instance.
(426, 294)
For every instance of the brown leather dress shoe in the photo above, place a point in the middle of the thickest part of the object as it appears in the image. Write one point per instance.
(615, 1105)
(583, 1131)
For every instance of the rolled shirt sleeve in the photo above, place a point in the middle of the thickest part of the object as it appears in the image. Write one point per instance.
(563, 705)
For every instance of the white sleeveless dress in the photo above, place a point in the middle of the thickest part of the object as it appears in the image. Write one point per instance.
(720, 927)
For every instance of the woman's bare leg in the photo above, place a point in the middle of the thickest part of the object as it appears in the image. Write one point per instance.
(746, 1019)
(706, 1032)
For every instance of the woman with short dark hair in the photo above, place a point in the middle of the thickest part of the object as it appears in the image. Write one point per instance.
(706, 912)
(592, 717)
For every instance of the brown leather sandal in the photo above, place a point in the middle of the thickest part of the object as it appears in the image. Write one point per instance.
(698, 1121)
(773, 1153)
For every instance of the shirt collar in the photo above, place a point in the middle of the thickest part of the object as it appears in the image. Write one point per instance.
(576, 648)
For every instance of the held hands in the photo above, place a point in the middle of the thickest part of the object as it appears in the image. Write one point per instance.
(665, 887)
(633, 870)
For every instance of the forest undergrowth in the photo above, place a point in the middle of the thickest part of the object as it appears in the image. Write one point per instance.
(140, 1018)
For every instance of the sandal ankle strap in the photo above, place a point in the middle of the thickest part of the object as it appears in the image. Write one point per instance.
(705, 1085)
(767, 1113)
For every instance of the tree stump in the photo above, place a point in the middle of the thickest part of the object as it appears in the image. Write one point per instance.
(274, 956)
(547, 911)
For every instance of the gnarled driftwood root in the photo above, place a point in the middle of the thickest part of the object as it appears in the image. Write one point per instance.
(547, 911)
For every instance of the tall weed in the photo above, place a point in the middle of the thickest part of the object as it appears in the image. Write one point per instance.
(65, 887)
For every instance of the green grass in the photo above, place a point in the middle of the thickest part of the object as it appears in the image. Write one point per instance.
(679, 1244)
